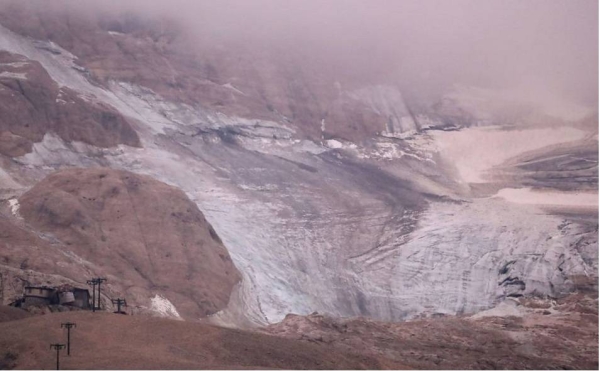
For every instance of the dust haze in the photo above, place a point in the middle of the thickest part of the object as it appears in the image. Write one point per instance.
(539, 48)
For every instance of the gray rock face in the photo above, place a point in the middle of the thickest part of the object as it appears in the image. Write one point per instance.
(385, 229)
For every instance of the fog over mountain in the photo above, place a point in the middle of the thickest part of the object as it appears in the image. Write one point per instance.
(332, 172)
(546, 49)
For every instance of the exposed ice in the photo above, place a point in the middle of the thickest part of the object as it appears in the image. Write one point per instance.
(15, 64)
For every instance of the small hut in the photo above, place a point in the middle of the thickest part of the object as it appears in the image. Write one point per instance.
(67, 295)
(39, 295)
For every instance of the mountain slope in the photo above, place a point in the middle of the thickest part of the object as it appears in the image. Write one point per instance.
(146, 237)
(395, 226)
(110, 341)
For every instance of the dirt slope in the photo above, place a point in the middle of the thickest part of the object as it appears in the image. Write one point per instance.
(12, 314)
(535, 334)
(111, 341)
(146, 237)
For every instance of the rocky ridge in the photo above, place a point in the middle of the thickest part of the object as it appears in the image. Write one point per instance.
(33, 104)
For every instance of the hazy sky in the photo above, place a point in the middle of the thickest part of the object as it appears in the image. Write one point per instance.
(537, 45)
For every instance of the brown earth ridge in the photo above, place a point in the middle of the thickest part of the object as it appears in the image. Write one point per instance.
(546, 334)
(110, 341)
(145, 236)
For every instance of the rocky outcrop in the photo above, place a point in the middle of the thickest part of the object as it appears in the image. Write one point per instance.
(313, 96)
(146, 237)
(32, 104)
(29, 258)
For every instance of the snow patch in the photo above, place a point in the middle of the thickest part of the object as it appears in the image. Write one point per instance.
(164, 307)
(508, 308)
(231, 87)
(14, 206)
(332, 143)
(13, 75)
(385, 150)
(54, 151)
(15, 64)
(266, 187)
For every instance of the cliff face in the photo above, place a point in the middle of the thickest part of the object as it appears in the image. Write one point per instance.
(299, 89)
(32, 104)
(146, 237)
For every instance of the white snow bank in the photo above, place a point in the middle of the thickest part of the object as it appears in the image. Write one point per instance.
(164, 307)
(332, 143)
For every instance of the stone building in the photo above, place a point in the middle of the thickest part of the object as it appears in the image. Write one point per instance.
(66, 295)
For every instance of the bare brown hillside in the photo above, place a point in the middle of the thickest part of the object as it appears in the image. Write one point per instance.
(145, 236)
(12, 314)
(534, 334)
(112, 341)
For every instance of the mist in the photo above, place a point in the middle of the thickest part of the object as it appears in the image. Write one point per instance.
(537, 47)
